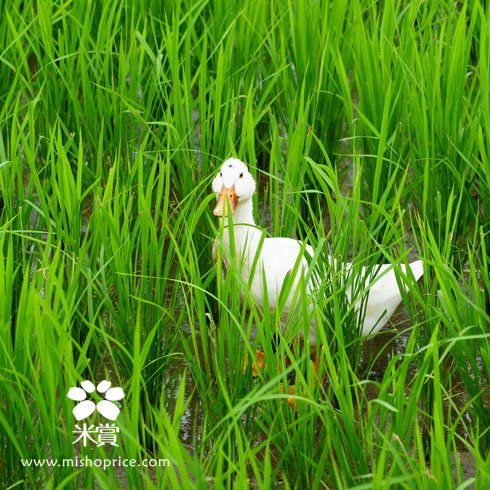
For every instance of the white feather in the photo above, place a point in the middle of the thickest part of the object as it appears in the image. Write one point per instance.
(278, 256)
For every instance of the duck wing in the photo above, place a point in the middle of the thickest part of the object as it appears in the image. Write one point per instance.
(384, 295)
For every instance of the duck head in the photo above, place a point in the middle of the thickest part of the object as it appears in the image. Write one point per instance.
(234, 184)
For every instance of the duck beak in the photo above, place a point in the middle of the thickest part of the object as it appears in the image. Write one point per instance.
(227, 193)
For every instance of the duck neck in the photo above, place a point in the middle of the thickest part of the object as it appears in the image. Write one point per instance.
(244, 214)
(244, 228)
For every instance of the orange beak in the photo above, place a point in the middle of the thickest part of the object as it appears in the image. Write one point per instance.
(226, 194)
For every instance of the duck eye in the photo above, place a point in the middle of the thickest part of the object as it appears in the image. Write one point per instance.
(221, 174)
(241, 175)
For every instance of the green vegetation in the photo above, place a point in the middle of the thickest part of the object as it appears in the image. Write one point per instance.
(367, 125)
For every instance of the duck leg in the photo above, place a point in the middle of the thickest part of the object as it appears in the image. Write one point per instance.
(316, 357)
(258, 363)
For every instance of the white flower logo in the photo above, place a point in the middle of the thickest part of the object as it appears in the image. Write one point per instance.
(105, 407)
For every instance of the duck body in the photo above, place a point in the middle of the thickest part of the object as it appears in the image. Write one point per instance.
(266, 263)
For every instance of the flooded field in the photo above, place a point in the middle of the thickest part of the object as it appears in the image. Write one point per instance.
(126, 351)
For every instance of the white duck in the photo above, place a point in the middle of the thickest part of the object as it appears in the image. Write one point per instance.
(235, 185)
